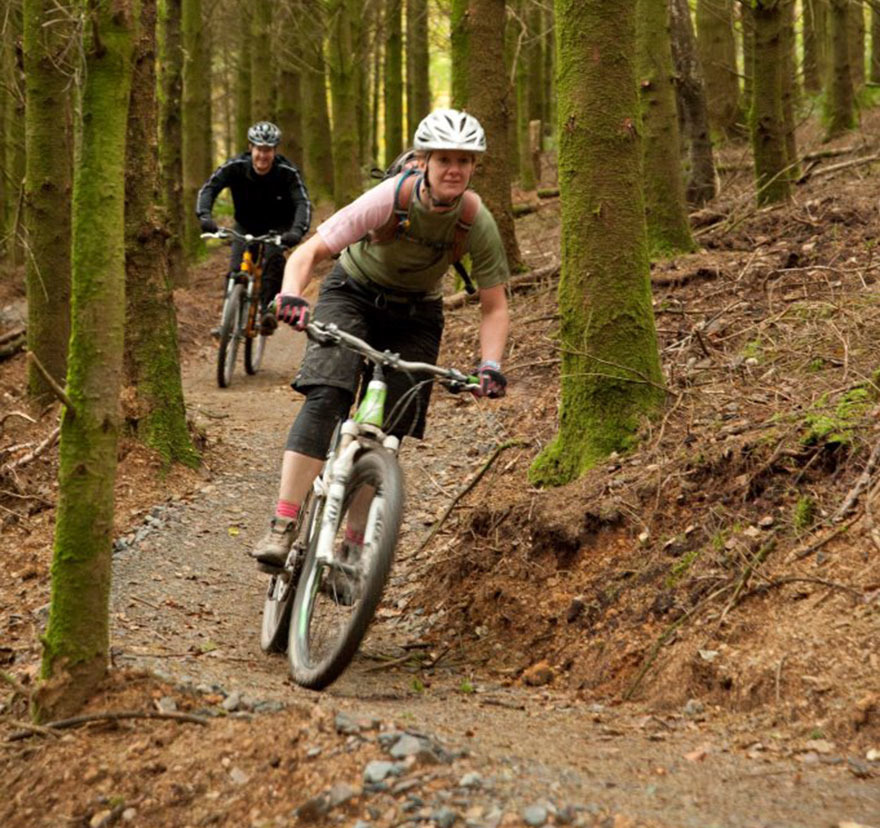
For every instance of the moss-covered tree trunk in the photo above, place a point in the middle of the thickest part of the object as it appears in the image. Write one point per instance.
(520, 35)
(489, 102)
(289, 101)
(393, 89)
(747, 32)
(663, 183)
(717, 47)
(459, 47)
(418, 89)
(815, 44)
(790, 87)
(874, 73)
(318, 151)
(171, 137)
(341, 59)
(701, 181)
(363, 24)
(767, 125)
(376, 85)
(840, 111)
(76, 644)
(49, 154)
(549, 52)
(157, 413)
(533, 50)
(610, 363)
(13, 84)
(262, 61)
(196, 117)
(857, 42)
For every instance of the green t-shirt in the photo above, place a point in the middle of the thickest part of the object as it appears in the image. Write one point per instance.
(407, 264)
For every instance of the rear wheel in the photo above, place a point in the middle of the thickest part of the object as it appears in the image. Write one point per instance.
(282, 585)
(335, 602)
(229, 335)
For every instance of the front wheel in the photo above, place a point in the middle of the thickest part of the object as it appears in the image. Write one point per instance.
(254, 346)
(335, 601)
(229, 335)
(282, 585)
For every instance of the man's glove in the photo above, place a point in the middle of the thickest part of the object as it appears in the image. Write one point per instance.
(291, 238)
(492, 382)
(294, 310)
(208, 224)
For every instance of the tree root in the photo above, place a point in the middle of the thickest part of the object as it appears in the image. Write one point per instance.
(77, 721)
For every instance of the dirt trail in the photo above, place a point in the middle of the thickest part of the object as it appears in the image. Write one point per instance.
(187, 603)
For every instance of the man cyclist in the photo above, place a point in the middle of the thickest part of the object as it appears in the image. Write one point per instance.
(390, 295)
(268, 195)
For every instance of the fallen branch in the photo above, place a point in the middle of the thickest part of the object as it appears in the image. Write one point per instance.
(473, 482)
(13, 346)
(40, 449)
(14, 683)
(21, 414)
(15, 333)
(861, 484)
(856, 162)
(804, 551)
(76, 721)
(456, 300)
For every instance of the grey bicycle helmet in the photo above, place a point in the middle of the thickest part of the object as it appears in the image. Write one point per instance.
(264, 134)
(449, 129)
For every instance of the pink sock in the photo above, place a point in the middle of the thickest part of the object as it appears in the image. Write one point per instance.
(286, 509)
(354, 537)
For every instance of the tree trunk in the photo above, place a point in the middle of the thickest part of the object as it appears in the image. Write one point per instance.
(76, 643)
(341, 66)
(768, 129)
(393, 81)
(701, 184)
(549, 96)
(790, 93)
(489, 103)
(717, 48)
(11, 211)
(747, 25)
(158, 413)
(318, 151)
(857, 42)
(290, 100)
(196, 112)
(418, 90)
(663, 183)
(460, 52)
(171, 137)
(534, 59)
(48, 136)
(815, 44)
(841, 111)
(610, 364)
(875, 43)
(262, 63)
(243, 84)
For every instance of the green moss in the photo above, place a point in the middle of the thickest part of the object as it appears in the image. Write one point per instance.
(838, 427)
(804, 513)
(678, 570)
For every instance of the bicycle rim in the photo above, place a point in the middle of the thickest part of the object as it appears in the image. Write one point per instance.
(228, 347)
(334, 605)
(281, 589)
(254, 346)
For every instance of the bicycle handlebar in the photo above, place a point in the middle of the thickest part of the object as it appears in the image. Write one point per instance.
(453, 379)
(230, 233)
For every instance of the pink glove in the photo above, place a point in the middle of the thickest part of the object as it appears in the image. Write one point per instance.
(294, 310)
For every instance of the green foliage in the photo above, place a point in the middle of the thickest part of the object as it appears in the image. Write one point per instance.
(680, 568)
(417, 685)
(837, 427)
(753, 349)
(466, 687)
(804, 513)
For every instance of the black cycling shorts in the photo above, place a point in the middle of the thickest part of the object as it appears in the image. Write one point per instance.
(412, 329)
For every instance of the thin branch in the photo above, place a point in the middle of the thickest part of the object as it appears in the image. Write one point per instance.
(52, 383)
(76, 721)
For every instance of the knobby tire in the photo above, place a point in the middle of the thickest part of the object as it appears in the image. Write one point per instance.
(376, 468)
(229, 328)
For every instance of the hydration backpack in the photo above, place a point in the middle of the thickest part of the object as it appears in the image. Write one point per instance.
(398, 223)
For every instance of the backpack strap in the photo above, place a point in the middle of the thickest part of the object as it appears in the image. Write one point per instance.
(470, 207)
(398, 221)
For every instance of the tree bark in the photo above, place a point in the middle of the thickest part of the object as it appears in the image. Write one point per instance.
(418, 90)
(768, 129)
(490, 103)
(243, 83)
(663, 183)
(157, 412)
(11, 211)
(459, 48)
(48, 132)
(841, 110)
(290, 99)
(171, 137)
(262, 61)
(611, 374)
(318, 151)
(857, 43)
(702, 183)
(815, 44)
(717, 48)
(875, 43)
(393, 97)
(76, 643)
(196, 117)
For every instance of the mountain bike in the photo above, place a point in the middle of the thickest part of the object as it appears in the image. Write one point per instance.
(239, 320)
(320, 604)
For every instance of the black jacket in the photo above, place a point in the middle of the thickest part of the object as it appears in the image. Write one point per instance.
(277, 201)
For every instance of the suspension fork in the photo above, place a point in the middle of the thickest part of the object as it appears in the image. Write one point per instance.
(339, 474)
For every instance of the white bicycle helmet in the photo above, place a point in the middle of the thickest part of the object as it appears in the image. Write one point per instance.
(264, 134)
(449, 129)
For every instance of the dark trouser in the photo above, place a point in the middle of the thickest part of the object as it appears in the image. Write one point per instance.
(273, 267)
(329, 375)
